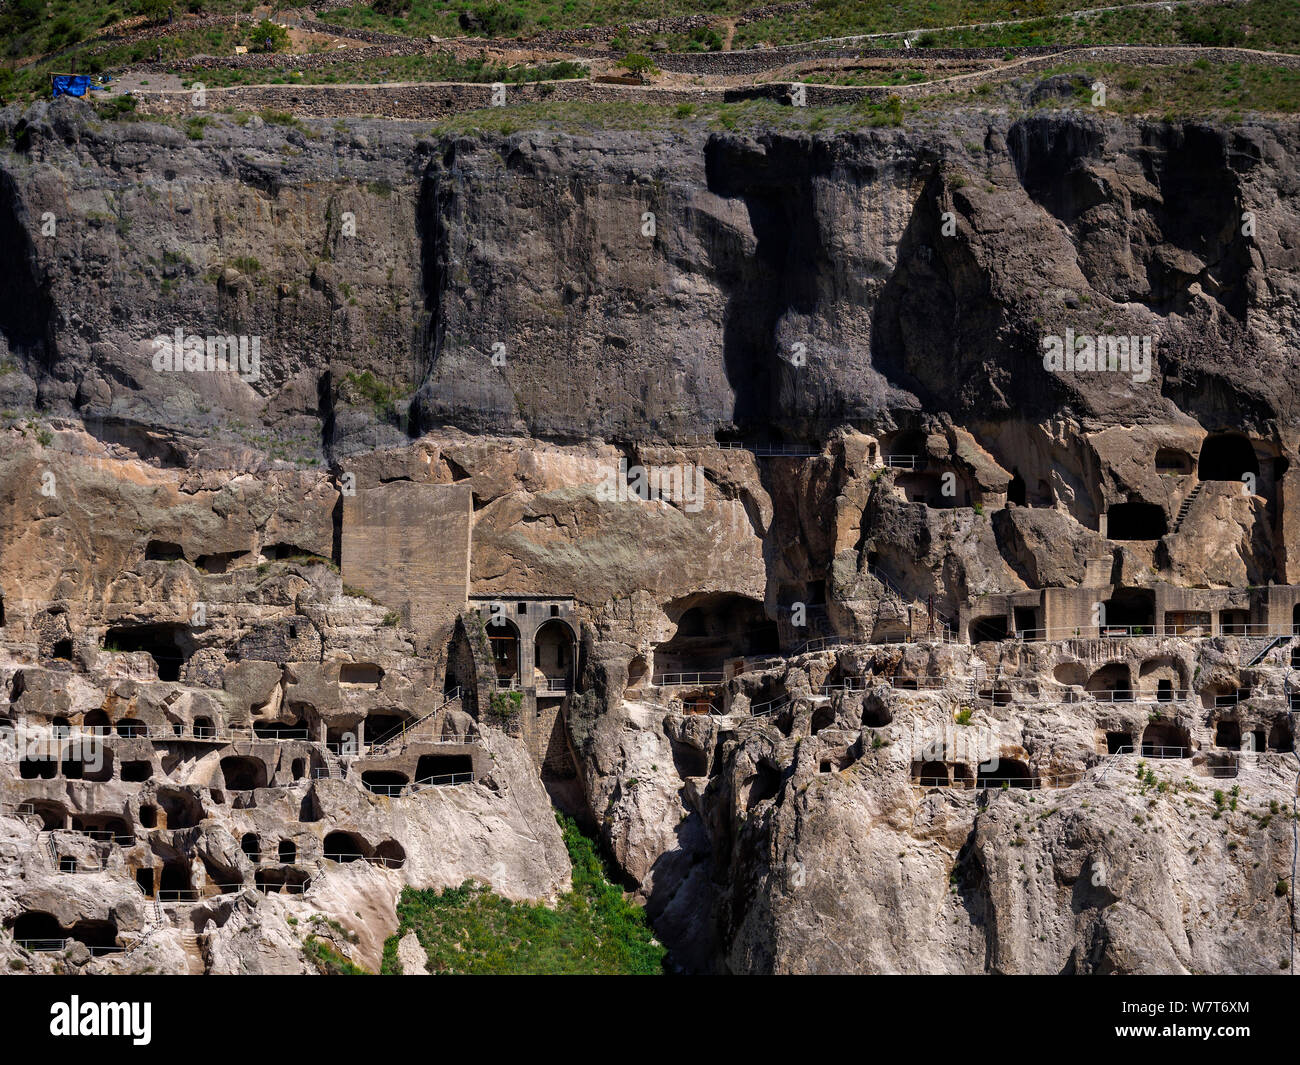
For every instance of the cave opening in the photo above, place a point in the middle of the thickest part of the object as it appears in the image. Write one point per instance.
(443, 768)
(1118, 742)
(992, 629)
(1164, 739)
(1136, 521)
(1130, 610)
(1016, 492)
(37, 930)
(1227, 734)
(1004, 773)
(384, 781)
(164, 643)
(344, 847)
(288, 852)
(251, 846)
(1227, 457)
(242, 773)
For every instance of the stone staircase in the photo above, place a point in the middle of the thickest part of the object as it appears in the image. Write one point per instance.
(1186, 507)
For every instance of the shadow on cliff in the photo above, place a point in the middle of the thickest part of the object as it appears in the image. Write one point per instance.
(774, 178)
(26, 309)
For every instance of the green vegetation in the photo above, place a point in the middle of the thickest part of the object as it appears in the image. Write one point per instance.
(381, 396)
(1268, 25)
(636, 63)
(593, 929)
(440, 66)
(328, 961)
(268, 36)
(506, 704)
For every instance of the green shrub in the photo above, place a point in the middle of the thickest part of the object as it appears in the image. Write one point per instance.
(591, 930)
(267, 36)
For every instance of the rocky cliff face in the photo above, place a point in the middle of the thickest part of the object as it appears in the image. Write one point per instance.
(520, 315)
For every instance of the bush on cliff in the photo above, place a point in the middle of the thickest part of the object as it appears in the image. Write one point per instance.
(593, 929)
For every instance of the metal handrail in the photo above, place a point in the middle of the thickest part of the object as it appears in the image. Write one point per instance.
(684, 680)
(907, 462)
(769, 707)
(392, 791)
(404, 728)
(443, 779)
(42, 946)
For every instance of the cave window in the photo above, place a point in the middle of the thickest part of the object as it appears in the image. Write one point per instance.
(288, 852)
(163, 551)
(1227, 734)
(1117, 742)
(1136, 521)
(1173, 461)
(161, 642)
(136, 772)
(1162, 739)
(636, 672)
(203, 728)
(1225, 457)
(444, 769)
(1131, 610)
(343, 847)
(37, 769)
(131, 727)
(360, 673)
(521, 608)
(1027, 623)
(1005, 773)
(1165, 691)
(299, 768)
(933, 775)
(97, 723)
(67, 864)
(1016, 492)
(38, 931)
(1280, 737)
(62, 649)
(148, 816)
(251, 847)
(384, 782)
(555, 611)
(243, 774)
(144, 881)
(1234, 622)
(175, 883)
(988, 630)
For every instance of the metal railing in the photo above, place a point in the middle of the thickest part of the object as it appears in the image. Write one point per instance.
(555, 684)
(443, 780)
(769, 707)
(42, 946)
(987, 783)
(402, 730)
(1126, 695)
(343, 856)
(820, 643)
(177, 895)
(907, 462)
(392, 791)
(104, 835)
(1240, 695)
(686, 680)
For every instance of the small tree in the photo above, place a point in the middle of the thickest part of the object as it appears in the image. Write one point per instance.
(267, 36)
(636, 63)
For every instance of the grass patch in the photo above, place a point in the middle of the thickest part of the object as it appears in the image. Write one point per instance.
(592, 930)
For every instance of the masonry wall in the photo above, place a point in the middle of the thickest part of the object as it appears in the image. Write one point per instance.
(407, 546)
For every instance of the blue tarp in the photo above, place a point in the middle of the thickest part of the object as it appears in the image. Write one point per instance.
(73, 84)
